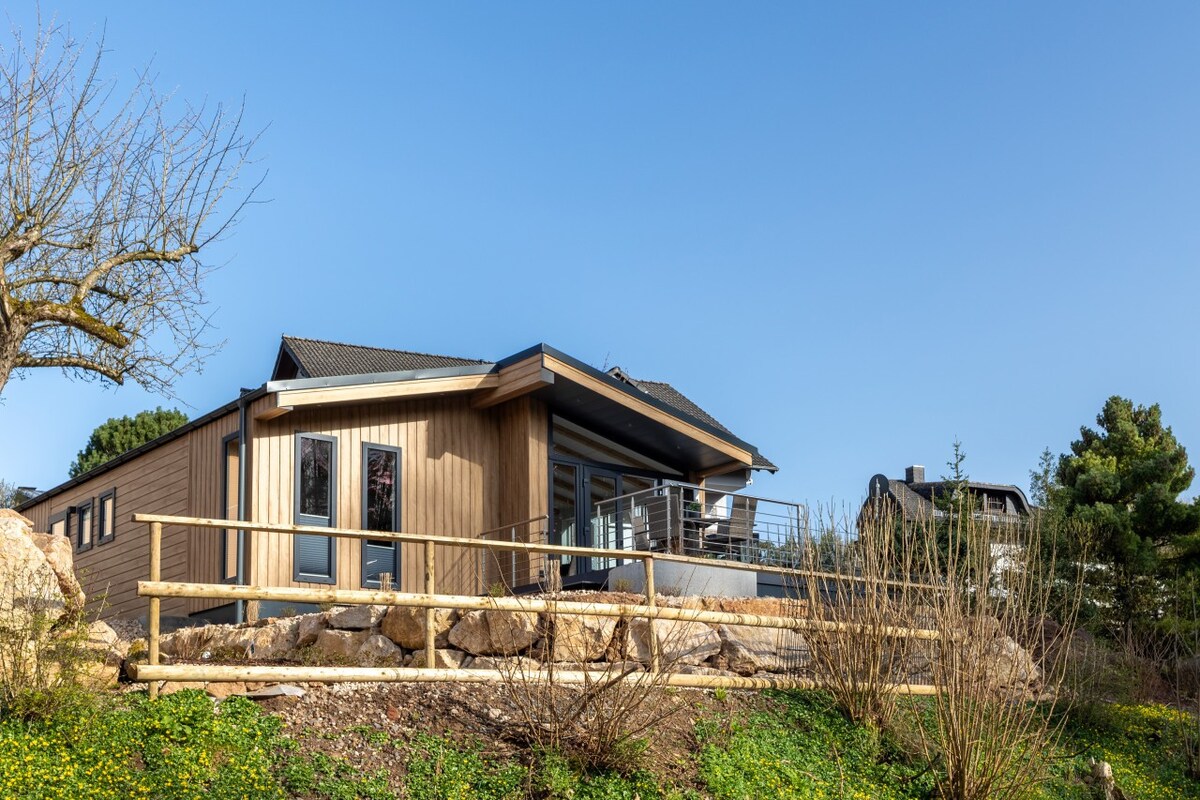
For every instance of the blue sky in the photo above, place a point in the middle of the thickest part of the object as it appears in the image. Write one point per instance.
(853, 232)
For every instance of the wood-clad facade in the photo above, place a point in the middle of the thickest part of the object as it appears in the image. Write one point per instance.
(464, 449)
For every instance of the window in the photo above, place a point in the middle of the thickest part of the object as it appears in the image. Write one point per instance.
(315, 478)
(995, 504)
(107, 529)
(84, 513)
(229, 506)
(58, 524)
(380, 512)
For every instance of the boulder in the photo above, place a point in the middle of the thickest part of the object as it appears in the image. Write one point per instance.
(406, 626)
(190, 643)
(170, 687)
(1009, 666)
(341, 645)
(380, 650)
(356, 618)
(678, 642)
(747, 649)
(513, 665)
(104, 644)
(29, 587)
(443, 658)
(495, 633)
(307, 628)
(61, 558)
(263, 642)
(581, 638)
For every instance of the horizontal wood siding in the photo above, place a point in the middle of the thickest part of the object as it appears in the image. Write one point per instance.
(449, 483)
(154, 483)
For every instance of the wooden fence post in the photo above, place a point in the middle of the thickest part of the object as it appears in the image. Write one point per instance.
(651, 630)
(430, 589)
(152, 619)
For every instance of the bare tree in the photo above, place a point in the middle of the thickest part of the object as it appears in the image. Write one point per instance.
(106, 201)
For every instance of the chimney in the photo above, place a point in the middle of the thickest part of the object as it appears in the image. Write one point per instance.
(914, 474)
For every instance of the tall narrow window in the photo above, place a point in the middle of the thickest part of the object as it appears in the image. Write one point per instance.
(58, 524)
(380, 512)
(107, 528)
(85, 526)
(229, 506)
(316, 476)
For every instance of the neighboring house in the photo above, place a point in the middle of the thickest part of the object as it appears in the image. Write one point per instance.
(361, 437)
(913, 497)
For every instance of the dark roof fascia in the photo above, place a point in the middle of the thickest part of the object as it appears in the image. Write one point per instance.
(632, 391)
(129, 455)
(379, 377)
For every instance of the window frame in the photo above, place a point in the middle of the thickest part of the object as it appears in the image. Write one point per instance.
(397, 513)
(307, 519)
(102, 518)
(57, 518)
(90, 506)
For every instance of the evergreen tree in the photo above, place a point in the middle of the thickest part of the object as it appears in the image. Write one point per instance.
(1121, 483)
(121, 434)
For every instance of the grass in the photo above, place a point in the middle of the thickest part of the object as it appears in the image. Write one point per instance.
(795, 745)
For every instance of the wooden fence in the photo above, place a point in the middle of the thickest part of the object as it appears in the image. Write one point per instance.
(155, 589)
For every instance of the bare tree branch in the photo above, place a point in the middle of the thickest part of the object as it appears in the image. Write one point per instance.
(106, 199)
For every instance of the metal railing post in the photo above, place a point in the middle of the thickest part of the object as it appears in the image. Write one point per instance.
(152, 619)
(430, 589)
(652, 631)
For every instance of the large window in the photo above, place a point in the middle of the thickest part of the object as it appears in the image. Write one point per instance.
(314, 557)
(84, 512)
(380, 512)
(107, 527)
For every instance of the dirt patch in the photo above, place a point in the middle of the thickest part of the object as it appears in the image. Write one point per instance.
(372, 725)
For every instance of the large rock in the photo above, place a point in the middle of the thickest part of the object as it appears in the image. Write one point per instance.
(356, 618)
(29, 587)
(263, 642)
(103, 644)
(406, 626)
(381, 651)
(495, 633)
(748, 649)
(581, 638)
(61, 558)
(341, 645)
(307, 628)
(678, 642)
(443, 658)
(1009, 666)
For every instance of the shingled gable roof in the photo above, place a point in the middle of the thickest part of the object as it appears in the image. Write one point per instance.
(314, 358)
(319, 359)
(668, 394)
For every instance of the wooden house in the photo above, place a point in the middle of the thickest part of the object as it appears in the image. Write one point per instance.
(360, 437)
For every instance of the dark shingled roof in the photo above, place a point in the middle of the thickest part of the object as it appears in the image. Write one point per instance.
(318, 359)
(668, 394)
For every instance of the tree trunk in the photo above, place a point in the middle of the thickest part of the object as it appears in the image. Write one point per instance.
(10, 345)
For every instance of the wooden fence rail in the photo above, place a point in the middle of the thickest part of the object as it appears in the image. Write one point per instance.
(155, 589)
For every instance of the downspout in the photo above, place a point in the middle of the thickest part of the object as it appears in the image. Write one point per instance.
(240, 574)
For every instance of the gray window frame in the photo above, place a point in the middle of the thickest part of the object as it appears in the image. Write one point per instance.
(397, 514)
(305, 519)
(90, 505)
(101, 518)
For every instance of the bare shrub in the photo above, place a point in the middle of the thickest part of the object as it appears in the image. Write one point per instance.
(603, 721)
(864, 591)
(46, 665)
(1000, 664)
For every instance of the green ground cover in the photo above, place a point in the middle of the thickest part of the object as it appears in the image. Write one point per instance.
(794, 746)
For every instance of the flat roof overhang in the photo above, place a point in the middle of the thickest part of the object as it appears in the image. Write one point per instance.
(570, 388)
